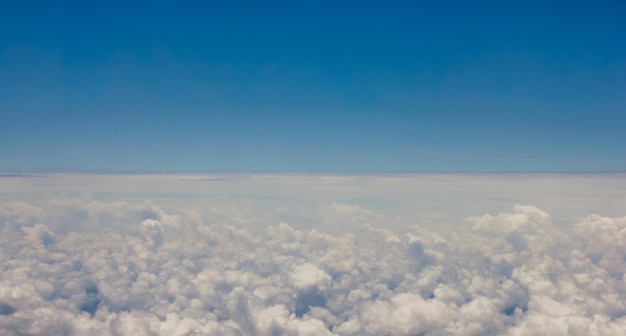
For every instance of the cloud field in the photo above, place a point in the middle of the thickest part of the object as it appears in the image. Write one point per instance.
(297, 254)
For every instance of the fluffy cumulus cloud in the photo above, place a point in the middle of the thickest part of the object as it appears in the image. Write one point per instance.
(72, 264)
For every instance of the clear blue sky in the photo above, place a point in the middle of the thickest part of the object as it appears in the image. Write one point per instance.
(330, 85)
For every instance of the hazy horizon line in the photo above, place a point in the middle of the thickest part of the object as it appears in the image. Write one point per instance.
(27, 172)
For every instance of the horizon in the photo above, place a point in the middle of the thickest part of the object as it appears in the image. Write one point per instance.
(312, 172)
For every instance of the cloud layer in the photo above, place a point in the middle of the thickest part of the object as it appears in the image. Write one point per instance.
(75, 265)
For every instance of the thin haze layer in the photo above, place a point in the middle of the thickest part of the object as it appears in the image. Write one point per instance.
(295, 254)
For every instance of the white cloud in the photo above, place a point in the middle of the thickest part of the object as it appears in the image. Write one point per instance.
(308, 275)
(81, 263)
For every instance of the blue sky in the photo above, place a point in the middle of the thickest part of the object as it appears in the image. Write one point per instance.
(328, 86)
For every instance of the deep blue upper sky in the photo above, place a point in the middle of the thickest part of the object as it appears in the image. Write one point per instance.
(330, 85)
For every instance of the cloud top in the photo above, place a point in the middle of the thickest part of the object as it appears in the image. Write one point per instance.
(75, 265)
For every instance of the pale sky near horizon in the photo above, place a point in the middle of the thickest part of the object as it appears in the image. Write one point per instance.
(321, 86)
